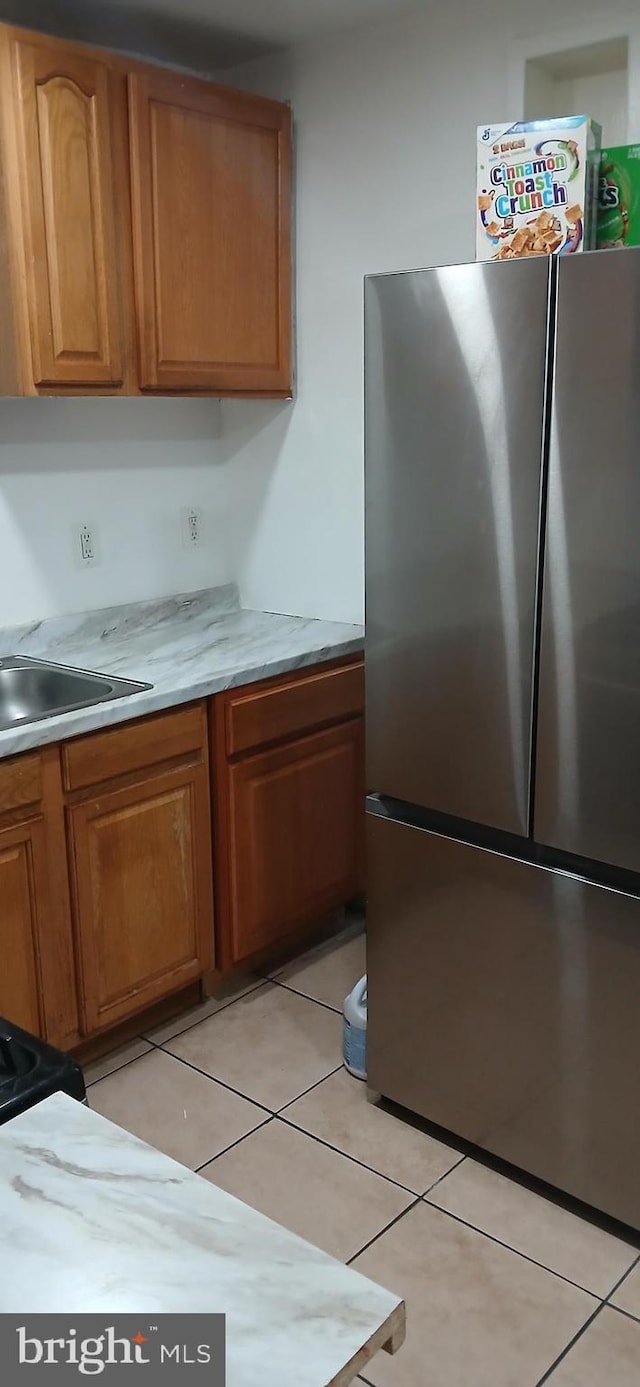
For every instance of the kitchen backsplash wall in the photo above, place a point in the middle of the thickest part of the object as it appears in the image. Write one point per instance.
(127, 468)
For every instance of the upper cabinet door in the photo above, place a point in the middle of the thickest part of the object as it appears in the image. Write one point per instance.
(211, 180)
(63, 114)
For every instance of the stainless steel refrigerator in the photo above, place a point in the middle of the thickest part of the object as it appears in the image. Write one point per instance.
(503, 710)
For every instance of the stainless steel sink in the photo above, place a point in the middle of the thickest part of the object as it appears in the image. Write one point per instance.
(33, 689)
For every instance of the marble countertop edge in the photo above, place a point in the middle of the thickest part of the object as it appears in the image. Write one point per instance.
(187, 649)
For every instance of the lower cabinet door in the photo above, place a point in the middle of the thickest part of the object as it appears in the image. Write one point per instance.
(296, 818)
(23, 903)
(143, 897)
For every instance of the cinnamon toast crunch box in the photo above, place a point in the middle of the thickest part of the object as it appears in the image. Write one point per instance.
(537, 189)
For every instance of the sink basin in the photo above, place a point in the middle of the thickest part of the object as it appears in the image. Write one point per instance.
(33, 689)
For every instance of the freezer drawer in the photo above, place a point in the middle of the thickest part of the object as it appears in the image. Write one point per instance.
(455, 380)
(588, 764)
(503, 1005)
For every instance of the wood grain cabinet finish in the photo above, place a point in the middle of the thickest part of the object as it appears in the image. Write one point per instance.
(145, 228)
(37, 975)
(289, 821)
(211, 189)
(66, 209)
(294, 825)
(23, 898)
(140, 855)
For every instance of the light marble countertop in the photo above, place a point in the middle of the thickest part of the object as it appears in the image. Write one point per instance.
(187, 647)
(96, 1220)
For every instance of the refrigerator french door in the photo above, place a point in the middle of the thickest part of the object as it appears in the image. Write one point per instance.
(503, 710)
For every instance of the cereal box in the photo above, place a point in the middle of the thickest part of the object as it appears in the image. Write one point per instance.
(619, 197)
(537, 187)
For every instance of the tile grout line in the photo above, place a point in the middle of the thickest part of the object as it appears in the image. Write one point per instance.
(263, 981)
(118, 1069)
(624, 1276)
(273, 1112)
(572, 1342)
(281, 1114)
(628, 1314)
(279, 1111)
(158, 1044)
(603, 1303)
(231, 1145)
(189, 1065)
(443, 1177)
(403, 1213)
(332, 944)
(508, 1248)
(354, 1159)
(337, 1011)
(146, 1035)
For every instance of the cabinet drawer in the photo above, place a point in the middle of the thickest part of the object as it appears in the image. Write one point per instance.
(290, 708)
(133, 746)
(20, 782)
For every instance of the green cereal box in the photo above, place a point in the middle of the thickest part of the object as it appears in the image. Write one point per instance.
(537, 187)
(619, 197)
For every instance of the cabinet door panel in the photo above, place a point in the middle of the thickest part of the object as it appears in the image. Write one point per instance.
(143, 893)
(64, 101)
(296, 825)
(22, 893)
(211, 193)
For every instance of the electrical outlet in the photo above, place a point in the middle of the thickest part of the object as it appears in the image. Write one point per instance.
(191, 527)
(85, 545)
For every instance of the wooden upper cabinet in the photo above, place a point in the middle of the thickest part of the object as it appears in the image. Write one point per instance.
(63, 117)
(145, 228)
(211, 191)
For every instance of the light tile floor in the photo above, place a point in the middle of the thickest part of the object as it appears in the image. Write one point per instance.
(503, 1288)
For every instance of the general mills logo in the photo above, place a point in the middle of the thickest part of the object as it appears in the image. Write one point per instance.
(176, 1347)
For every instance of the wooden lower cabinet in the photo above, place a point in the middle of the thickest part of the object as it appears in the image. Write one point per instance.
(37, 974)
(107, 855)
(295, 834)
(24, 903)
(289, 820)
(142, 892)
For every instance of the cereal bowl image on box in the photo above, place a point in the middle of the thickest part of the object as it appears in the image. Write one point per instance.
(537, 188)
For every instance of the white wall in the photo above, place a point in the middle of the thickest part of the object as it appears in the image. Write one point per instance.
(385, 130)
(385, 137)
(126, 466)
(603, 96)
